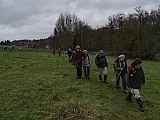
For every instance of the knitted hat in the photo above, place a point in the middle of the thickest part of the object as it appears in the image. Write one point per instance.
(77, 47)
(101, 52)
(121, 56)
(137, 61)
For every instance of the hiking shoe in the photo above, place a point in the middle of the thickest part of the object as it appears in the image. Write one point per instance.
(78, 77)
(125, 92)
(129, 99)
(140, 104)
(105, 82)
(141, 109)
(118, 88)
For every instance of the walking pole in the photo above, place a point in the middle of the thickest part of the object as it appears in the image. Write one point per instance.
(119, 74)
(118, 77)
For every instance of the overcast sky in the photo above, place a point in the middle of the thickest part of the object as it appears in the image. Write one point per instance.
(35, 19)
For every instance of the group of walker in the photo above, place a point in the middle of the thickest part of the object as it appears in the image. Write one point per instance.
(135, 75)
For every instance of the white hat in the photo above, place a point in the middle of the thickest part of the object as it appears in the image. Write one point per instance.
(84, 50)
(121, 56)
(77, 47)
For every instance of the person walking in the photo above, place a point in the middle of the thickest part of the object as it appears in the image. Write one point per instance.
(69, 54)
(135, 78)
(77, 61)
(86, 63)
(53, 51)
(59, 51)
(102, 65)
(120, 70)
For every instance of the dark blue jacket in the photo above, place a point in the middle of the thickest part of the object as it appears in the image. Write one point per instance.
(101, 61)
(69, 53)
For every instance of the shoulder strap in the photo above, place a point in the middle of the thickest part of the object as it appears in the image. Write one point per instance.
(116, 60)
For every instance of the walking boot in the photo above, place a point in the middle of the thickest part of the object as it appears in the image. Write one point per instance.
(140, 104)
(100, 78)
(105, 79)
(125, 92)
(129, 97)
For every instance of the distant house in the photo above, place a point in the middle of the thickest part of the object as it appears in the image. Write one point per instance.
(21, 42)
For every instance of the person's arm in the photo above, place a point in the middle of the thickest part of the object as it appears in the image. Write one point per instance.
(82, 55)
(72, 57)
(129, 77)
(89, 60)
(143, 77)
(106, 62)
(96, 60)
(126, 67)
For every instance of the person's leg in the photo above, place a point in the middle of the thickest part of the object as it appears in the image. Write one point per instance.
(138, 99)
(129, 97)
(84, 68)
(88, 72)
(140, 104)
(105, 74)
(123, 75)
(79, 72)
(117, 81)
(99, 74)
(69, 58)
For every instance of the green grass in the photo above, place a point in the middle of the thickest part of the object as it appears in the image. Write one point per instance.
(42, 86)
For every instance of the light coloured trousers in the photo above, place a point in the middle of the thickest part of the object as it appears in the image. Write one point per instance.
(102, 70)
(135, 92)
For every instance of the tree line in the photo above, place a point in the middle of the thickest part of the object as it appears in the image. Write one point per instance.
(135, 35)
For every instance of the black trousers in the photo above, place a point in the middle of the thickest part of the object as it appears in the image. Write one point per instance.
(79, 71)
(123, 76)
(69, 57)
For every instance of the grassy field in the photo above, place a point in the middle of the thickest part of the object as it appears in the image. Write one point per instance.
(42, 86)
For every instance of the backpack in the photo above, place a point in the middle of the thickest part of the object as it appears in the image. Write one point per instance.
(129, 67)
(132, 68)
(116, 60)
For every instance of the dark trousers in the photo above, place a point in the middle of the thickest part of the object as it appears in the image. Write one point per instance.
(86, 71)
(123, 76)
(69, 57)
(79, 71)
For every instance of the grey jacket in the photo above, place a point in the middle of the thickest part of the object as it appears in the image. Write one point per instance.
(118, 65)
(86, 61)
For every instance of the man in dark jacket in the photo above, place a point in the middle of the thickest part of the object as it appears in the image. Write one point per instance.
(59, 51)
(120, 69)
(102, 65)
(135, 79)
(69, 54)
(77, 60)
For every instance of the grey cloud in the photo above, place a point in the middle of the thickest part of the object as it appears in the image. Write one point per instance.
(36, 18)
